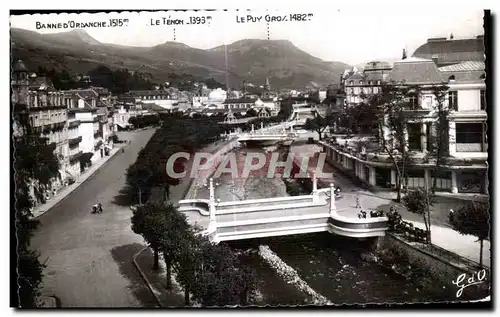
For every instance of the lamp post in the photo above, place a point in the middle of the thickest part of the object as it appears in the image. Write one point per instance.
(212, 226)
(314, 187)
(333, 208)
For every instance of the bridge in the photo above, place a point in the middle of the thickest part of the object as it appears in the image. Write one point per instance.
(274, 133)
(280, 216)
(301, 112)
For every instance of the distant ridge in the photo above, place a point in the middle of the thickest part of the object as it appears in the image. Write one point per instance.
(252, 60)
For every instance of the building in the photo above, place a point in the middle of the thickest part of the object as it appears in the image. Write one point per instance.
(122, 115)
(45, 109)
(358, 85)
(162, 98)
(92, 115)
(270, 105)
(467, 126)
(465, 170)
(241, 105)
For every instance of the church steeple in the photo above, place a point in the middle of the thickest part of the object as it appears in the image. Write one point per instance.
(267, 89)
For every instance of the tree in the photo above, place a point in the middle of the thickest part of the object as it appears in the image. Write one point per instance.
(223, 281)
(473, 218)
(147, 221)
(359, 118)
(190, 263)
(35, 164)
(212, 273)
(251, 113)
(173, 237)
(318, 124)
(440, 139)
(139, 176)
(419, 202)
(395, 103)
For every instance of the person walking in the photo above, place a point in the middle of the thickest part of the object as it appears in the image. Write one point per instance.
(358, 205)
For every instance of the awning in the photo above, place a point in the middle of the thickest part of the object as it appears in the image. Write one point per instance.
(123, 126)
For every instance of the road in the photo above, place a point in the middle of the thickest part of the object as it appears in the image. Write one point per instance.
(89, 256)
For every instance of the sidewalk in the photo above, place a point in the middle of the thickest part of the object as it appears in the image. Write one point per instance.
(42, 208)
(157, 280)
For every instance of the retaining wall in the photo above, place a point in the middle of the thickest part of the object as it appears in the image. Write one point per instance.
(217, 157)
(441, 268)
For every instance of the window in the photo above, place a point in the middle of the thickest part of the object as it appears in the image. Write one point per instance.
(430, 136)
(413, 100)
(351, 83)
(370, 83)
(414, 136)
(361, 82)
(453, 100)
(483, 99)
(451, 78)
(469, 132)
(470, 137)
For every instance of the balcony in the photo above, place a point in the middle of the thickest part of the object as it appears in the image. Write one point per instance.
(73, 124)
(74, 141)
(75, 157)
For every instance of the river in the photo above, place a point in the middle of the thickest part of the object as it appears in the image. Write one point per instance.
(330, 264)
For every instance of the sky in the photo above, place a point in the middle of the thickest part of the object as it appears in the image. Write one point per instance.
(349, 35)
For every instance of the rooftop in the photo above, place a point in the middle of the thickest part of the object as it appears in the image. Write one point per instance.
(19, 67)
(416, 71)
(452, 51)
(470, 71)
(239, 100)
(377, 65)
(464, 67)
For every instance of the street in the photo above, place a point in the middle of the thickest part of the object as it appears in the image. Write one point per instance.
(89, 256)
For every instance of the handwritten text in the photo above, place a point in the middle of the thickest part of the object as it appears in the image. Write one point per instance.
(462, 281)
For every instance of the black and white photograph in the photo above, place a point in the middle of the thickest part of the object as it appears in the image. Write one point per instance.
(265, 158)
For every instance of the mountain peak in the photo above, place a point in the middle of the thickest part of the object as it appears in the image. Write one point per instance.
(77, 34)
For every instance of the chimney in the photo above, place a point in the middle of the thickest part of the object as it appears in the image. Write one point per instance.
(451, 36)
(404, 53)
